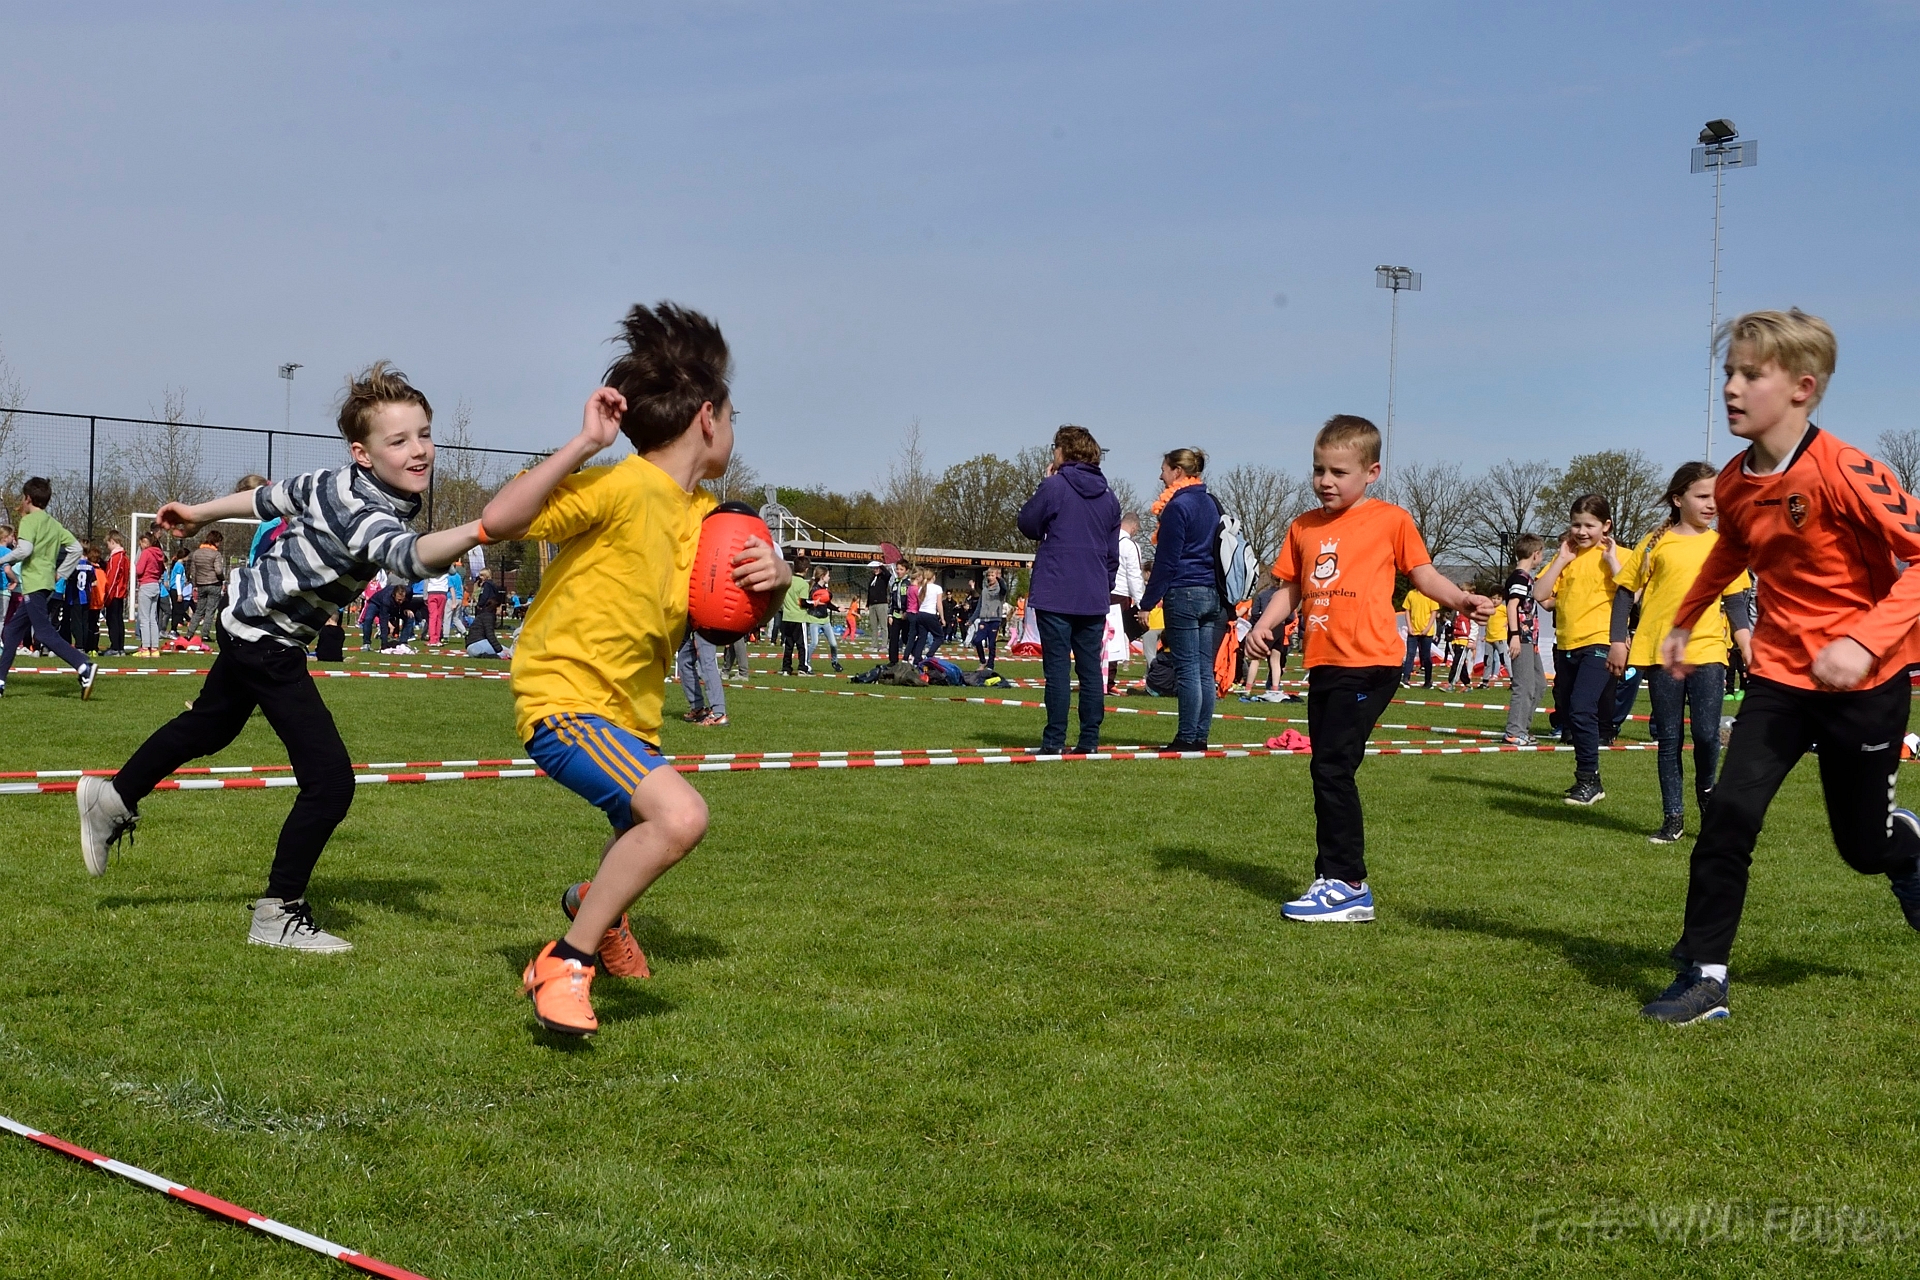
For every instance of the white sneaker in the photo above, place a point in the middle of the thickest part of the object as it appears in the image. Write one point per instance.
(104, 819)
(290, 925)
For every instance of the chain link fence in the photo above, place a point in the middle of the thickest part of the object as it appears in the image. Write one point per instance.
(105, 469)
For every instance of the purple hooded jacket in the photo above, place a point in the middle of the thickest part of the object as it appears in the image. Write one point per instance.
(1076, 520)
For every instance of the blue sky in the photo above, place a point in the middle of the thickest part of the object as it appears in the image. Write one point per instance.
(991, 217)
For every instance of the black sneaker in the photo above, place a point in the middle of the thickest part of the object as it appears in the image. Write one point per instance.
(837, 666)
(1585, 791)
(1692, 998)
(1671, 830)
(1907, 888)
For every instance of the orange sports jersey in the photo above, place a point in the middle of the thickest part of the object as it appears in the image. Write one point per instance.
(1821, 535)
(1344, 565)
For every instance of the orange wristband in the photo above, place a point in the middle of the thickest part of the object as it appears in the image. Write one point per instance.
(480, 530)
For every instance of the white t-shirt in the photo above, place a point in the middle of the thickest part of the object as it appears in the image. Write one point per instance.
(438, 586)
(930, 598)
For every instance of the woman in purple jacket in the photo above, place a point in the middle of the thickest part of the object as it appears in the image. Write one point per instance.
(1076, 520)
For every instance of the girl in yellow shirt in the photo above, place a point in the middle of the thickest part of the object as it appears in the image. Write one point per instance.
(1661, 571)
(1580, 582)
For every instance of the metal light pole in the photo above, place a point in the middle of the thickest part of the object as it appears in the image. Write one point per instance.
(1718, 151)
(286, 371)
(1396, 279)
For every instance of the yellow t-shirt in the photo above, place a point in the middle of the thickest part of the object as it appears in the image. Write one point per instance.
(612, 606)
(1497, 625)
(1667, 575)
(1583, 601)
(1420, 608)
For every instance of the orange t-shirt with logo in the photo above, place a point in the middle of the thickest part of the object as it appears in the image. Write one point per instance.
(1343, 564)
(1821, 536)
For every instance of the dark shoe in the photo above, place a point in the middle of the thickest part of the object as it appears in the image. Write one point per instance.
(1907, 888)
(836, 665)
(1690, 999)
(1084, 749)
(1585, 791)
(1671, 830)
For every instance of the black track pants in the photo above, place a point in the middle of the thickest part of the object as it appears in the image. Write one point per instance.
(1343, 705)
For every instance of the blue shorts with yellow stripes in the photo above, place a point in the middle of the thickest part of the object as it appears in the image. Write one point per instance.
(596, 759)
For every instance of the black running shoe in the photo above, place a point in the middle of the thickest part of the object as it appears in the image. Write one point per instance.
(1692, 998)
(1585, 791)
(1907, 888)
(1671, 830)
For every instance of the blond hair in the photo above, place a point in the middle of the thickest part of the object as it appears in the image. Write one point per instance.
(1797, 342)
(1188, 462)
(1350, 431)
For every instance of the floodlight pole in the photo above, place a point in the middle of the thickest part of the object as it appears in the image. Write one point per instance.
(1396, 279)
(1719, 152)
(286, 371)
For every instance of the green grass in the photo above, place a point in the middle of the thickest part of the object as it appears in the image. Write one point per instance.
(1024, 1020)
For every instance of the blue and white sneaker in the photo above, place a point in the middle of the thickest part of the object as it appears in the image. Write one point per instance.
(87, 674)
(1332, 901)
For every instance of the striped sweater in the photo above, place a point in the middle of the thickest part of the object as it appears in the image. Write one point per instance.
(342, 527)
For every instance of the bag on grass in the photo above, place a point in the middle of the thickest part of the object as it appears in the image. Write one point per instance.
(870, 676)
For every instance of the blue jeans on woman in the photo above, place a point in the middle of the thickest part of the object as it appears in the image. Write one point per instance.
(1068, 641)
(1586, 680)
(1699, 695)
(1196, 624)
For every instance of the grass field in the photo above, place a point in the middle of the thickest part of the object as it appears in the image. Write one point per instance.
(1037, 1020)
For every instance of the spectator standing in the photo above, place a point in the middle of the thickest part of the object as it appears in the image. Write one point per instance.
(1075, 518)
(207, 572)
(793, 617)
(149, 566)
(1129, 585)
(487, 597)
(1186, 578)
(456, 622)
(83, 599)
(819, 622)
(900, 600)
(924, 638)
(113, 591)
(698, 671)
(178, 588)
(437, 587)
(879, 602)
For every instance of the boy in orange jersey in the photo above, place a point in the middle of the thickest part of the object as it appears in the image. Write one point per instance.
(1338, 563)
(590, 668)
(1821, 525)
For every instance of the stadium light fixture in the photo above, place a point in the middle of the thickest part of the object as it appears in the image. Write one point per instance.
(286, 371)
(1720, 148)
(1396, 279)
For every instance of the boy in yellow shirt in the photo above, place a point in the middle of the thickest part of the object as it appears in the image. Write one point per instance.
(589, 673)
(1580, 583)
(1420, 609)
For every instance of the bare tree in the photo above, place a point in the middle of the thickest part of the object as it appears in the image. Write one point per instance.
(1509, 503)
(13, 397)
(1442, 501)
(906, 504)
(1627, 479)
(1901, 451)
(461, 483)
(1264, 499)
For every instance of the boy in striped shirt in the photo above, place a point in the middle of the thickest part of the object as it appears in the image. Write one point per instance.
(341, 526)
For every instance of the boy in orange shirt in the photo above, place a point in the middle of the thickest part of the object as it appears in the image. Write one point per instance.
(1821, 525)
(1338, 563)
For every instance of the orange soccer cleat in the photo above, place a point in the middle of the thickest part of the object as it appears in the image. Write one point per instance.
(620, 953)
(559, 990)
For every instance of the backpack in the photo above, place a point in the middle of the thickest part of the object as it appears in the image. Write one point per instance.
(1235, 569)
(940, 671)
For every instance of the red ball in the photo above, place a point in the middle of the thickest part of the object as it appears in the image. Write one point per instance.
(720, 609)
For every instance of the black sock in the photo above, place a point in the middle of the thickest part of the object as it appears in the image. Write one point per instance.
(564, 952)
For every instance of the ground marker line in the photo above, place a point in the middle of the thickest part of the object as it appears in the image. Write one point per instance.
(213, 1204)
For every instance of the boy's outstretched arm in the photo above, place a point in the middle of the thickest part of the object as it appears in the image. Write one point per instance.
(1438, 586)
(183, 519)
(511, 512)
(1280, 605)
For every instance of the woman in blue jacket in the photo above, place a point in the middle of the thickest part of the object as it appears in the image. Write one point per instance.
(1186, 580)
(1076, 520)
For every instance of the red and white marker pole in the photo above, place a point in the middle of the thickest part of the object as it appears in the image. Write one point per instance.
(214, 1205)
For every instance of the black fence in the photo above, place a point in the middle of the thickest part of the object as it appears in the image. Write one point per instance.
(106, 469)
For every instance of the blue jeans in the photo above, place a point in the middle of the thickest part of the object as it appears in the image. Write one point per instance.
(1072, 640)
(1586, 679)
(1700, 693)
(986, 641)
(699, 673)
(1196, 624)
(816, 631)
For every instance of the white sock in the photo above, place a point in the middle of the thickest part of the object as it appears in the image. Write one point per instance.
(1717, 972)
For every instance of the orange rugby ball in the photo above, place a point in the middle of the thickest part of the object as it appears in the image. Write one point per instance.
(720, 609)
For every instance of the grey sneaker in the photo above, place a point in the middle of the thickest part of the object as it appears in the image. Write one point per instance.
(1692, 998)
(104, 819)
(290, 925)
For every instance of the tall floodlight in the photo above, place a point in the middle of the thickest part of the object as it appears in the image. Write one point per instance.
(1718, 152)
(286, 371)
(1396, 279)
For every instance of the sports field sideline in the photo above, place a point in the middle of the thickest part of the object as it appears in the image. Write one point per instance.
(997, 1021)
